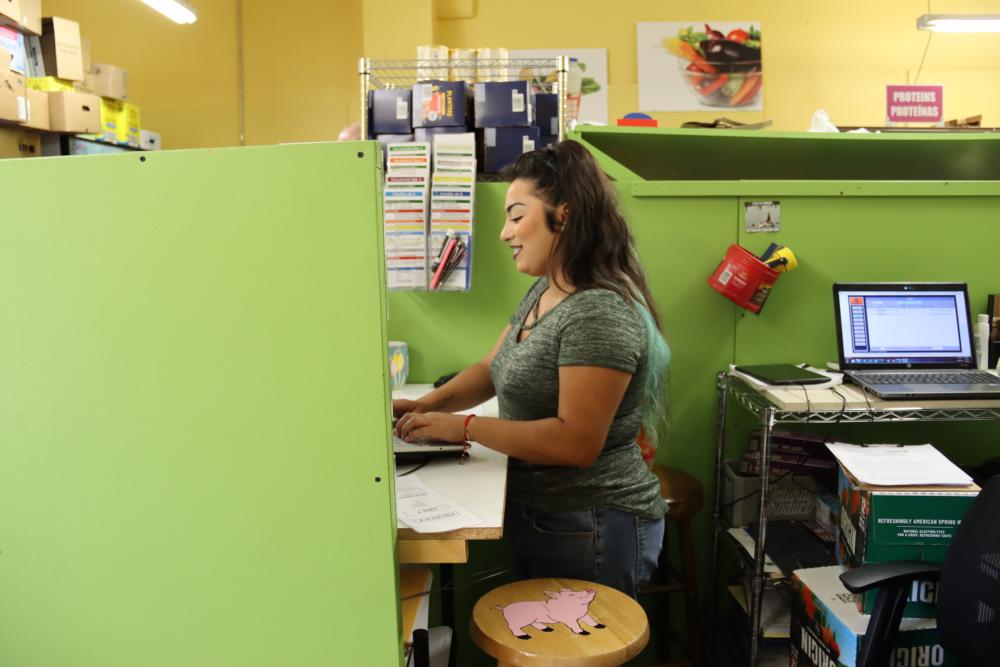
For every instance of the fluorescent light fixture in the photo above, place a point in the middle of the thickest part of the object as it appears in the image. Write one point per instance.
(177, 11)
(959, 22)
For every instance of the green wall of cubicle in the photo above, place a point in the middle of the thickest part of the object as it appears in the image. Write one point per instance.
(194, 452)
(847, 229)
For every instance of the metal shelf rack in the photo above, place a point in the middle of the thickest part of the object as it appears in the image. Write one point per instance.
(549, 75)
(769, 414)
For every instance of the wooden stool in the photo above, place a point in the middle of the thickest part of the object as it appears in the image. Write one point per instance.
(684, 496)
(554, 622)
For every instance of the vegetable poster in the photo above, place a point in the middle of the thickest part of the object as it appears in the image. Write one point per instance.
(698, 66)
(587, 97)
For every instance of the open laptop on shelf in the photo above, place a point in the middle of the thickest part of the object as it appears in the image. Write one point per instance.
(909, 340)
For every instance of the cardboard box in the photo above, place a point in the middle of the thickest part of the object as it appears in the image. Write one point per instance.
(499, 146)
(439, 103)
(113, 122)
(85, 51)
(74, 112)
(61, 48)
(879, 524)
(108, 81)
(15, 142)
(503, 104)
(547, 114)
(85, 86)
(150, 141)
(10, 11)
(132, 119)
(50, 84)
(390, 111)
(38, 110)
(31, 16)
(13, 99)
(827, 630)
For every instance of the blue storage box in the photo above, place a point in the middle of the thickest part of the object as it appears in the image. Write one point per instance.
(547, 114)
(499, 146)
(503, 104)
(439, 104)
(390, 111)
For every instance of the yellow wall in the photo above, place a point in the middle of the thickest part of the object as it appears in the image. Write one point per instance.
(301, 61)
(301, 68)
(835, 55)
(183, 77)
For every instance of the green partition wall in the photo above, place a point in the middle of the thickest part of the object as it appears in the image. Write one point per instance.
(194, 453)
(878, 207)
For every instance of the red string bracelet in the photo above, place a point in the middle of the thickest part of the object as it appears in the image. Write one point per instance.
(465, 427)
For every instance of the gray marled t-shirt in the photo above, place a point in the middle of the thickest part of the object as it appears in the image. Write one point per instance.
(594, 327)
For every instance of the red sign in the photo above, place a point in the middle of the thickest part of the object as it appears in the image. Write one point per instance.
(914, 104)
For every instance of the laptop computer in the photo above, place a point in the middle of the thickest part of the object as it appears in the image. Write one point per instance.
(423, 449)
(909, 340)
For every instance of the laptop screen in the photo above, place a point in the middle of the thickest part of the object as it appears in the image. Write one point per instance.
(909, 326)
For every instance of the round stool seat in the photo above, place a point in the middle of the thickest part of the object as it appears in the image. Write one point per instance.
(555, 622)
(682, 492)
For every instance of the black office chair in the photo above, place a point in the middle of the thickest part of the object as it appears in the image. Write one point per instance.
(968, 613)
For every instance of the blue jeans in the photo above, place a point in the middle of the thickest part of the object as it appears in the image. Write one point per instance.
(608, 546)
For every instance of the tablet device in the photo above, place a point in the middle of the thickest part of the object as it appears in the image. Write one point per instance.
(779, 374)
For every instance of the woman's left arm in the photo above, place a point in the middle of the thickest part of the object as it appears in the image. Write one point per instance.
(589, 397)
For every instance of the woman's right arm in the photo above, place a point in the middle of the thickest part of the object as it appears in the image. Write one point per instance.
(466, 390)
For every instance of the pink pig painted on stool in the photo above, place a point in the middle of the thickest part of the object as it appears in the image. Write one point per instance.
(568, 607)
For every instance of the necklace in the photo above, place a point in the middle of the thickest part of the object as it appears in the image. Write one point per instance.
(534, 313)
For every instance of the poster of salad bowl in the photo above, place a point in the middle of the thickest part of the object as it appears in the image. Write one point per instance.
(700, 66)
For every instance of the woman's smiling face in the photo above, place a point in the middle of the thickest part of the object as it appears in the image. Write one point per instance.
(525, 229)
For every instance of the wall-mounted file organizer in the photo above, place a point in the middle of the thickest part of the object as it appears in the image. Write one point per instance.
(452, 202)
(405, 198)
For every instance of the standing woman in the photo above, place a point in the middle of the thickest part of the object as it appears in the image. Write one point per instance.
(579, 369)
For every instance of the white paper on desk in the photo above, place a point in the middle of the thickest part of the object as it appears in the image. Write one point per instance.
(892, 465)
(426, 511)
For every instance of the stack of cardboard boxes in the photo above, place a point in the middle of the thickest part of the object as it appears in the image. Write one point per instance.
(17, 17)
(877, 524)
(74, 96)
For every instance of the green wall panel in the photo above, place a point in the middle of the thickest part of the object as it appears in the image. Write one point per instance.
(447, 331)
(850, 239)
(859, 227)
(193, 411)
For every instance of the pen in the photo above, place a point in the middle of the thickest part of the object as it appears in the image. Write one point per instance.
(443, 261)
(440, 253)
(455, 261)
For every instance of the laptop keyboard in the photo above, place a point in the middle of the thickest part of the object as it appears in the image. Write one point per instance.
(973, 377)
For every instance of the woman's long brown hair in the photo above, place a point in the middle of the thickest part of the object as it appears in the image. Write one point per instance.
(594, 247)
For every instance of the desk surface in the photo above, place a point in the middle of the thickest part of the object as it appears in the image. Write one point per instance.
(852, 398)
(479, 483)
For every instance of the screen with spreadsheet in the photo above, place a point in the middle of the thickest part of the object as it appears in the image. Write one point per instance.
(904, 327)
